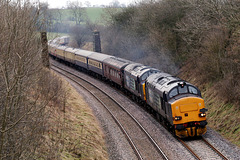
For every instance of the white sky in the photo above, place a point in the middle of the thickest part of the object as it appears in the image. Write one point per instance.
(63, 3)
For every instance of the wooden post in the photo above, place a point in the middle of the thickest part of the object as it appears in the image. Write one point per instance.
(96, 42)
(45, 57)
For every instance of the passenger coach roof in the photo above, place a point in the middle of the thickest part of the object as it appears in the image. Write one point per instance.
(117, 62)
(61, 47)
(83, 53)
(52, 44)
(70, 49)
(98, 56)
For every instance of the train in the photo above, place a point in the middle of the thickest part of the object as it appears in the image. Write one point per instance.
(175, 103)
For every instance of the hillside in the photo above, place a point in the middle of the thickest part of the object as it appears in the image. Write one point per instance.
(72, 129)
(197, 41)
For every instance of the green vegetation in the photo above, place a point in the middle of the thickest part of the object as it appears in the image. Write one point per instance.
(93, 14)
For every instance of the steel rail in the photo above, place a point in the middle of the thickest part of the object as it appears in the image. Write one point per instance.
(115, 119)
(189, 149)
(112, 115)
(142, 128)
(207, 143)
(214, 149)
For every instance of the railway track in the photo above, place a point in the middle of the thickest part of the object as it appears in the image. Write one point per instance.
(201, 149)
(142, 143)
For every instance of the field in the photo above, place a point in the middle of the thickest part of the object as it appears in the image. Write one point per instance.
(93, 14)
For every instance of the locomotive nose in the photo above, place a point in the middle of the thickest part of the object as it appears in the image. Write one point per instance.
(190, 123)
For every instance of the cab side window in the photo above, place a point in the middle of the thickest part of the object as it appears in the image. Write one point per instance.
(192, 90)
(173, 92)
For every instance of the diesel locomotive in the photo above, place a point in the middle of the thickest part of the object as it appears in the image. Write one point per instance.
(175, 102)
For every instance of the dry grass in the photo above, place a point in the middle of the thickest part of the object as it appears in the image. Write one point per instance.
(76, 129)
(221, 116)
(88, 46)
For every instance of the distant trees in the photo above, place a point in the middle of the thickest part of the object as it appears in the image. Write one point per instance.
(77, 11)
(59, 15)
(213, 27)
(132, 35)
(87, 3)
(115, 3)
(80, 35)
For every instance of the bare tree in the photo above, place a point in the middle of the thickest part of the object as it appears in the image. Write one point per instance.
(87, 3)
(60, 15)
(80, 35)
(77, 10)
(26, 88)
(115, 3)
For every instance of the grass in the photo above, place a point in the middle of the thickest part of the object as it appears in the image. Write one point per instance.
(84, 138)
(222, 117)
(94, 14)
(79, 133)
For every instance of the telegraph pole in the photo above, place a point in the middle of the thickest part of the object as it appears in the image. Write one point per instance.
(96, 42)
(45, 57)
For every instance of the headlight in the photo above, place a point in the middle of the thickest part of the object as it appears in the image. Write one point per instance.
(177, 118)
(202, 114)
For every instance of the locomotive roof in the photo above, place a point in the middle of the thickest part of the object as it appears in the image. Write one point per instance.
(137, 69)
(98, 56)
(164, 81)
(83, 53)
(117, 62)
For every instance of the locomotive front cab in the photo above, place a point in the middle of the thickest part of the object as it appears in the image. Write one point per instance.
(188, 111)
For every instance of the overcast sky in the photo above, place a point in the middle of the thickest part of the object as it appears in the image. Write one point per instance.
(62, 3)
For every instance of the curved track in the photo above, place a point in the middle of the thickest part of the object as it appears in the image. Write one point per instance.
(142, 143)
(202, 149)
